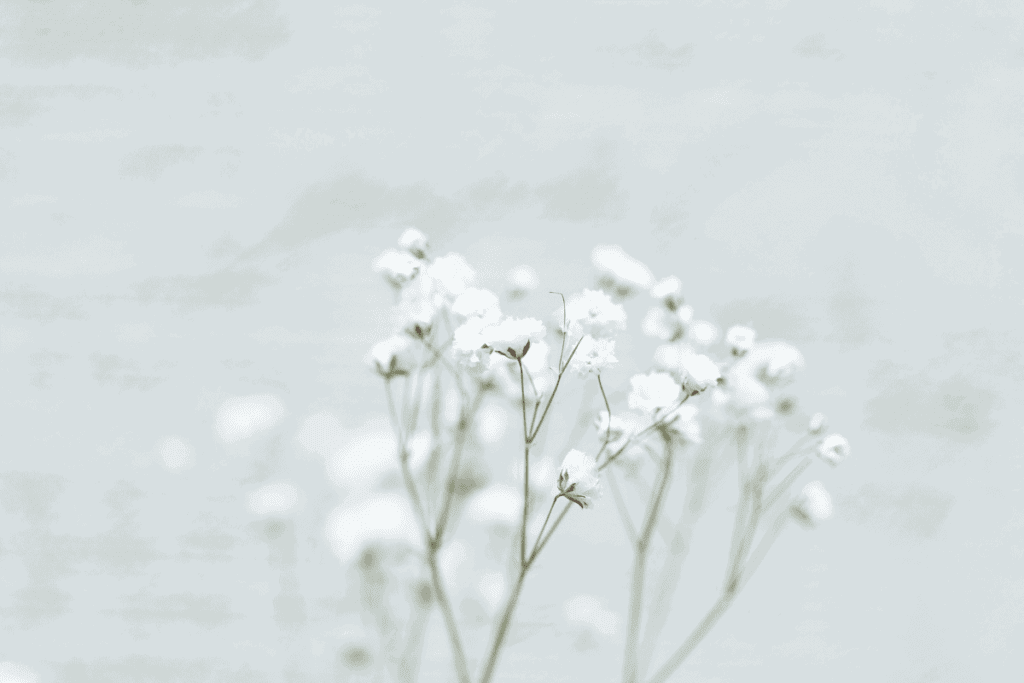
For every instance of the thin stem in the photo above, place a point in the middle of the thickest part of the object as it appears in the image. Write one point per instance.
(654, 425)
(697, 635)
(561, 371)
(503, 626)
(408, 664)
(630, 670)
(784, 485)
(540, 534)
(551, 531)
(607, 406)
(565, 328)
(465, 419)
(526, 472)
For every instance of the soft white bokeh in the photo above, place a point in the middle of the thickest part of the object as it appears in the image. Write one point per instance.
(240, 417)
(321, 433)
(273, 499)
(590, 610)
(13, 672)
(383, 518)
(492, 587)
(491, 423)
(367, 456)
(176, 453)
(499, 504)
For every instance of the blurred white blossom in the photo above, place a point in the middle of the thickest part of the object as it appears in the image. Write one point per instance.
(593, 356)
(393, 356)
(683, 424)
(578, 479)
(243, 416)
(383, 518)
(813, 503)
(397, 267)
(664, 324)
(817, 424)
(653, 391)
(522, 280)
(610, 430)
(176, 453)
(703, 332)
(669, 292)
(512, 337)
(620, 271)
(833, 449)
(479, 304)
(740, 339)
(593, 312)
(415, 242)
(452, 273)
(698, 372)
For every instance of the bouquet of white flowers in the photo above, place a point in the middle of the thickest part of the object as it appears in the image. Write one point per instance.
(454, 351)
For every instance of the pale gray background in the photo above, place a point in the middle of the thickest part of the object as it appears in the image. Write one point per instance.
(192, 194)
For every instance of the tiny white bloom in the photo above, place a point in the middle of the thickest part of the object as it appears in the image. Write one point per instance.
(477, 303)
(772, 362)
(663, 324)
(397, 267)
(698, 372)
(813, 504)
(833, 449)
(669, 291)
(610, 432)
(415, 242)
(740, 339)
(578, 479)
(393, 356)
(653, 391)
(817, 424)
(703, 332)
(522, 280)
(593, 356)
(452, 273)
(593, 312)
(684, 426)
(620, 271)
(512, 337)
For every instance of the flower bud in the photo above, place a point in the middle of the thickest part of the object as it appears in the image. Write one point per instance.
(393, 356)
(740, 339)
(669, 291)
(818, 423)
(698, 372)
(397, 267)
(813, 504)
(834, 449)
(414, 242)
(578, 479)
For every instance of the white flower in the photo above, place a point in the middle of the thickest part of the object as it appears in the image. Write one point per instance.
(704, 332)
(663, 324)
(813, 504)
(593, 356)
(397, 267)
(512, 336)
(578, 480)
(684, 426)
(833, 449)
(385, 518)
(653, 391)
(620, 271)
(613, 432)
(593, 312)
(698, 372)
(415, 242)
(740, 339)
(817, 424)
(468, 341)
(478, 303)
(670, 292)
(393, 356)
(772, 362)
(452, 273)
(522, 280)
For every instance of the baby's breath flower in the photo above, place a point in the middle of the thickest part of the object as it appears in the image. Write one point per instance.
(817, 424)
(477, 303)
(613, 432)
(698, 372)
(452, 273)
(512, 337)
(813, 504)
(397, 267)
(663, 324)
(703, 332)
(670, 292)
(393, 356)
(771, 362)
(653, 391)
(593, 356)
(833, 449)
(683, 424)
(578, 479)
(522, 280)
(414, 242)
(468, 341)
(620, 271)
(740, 339)
(593, 312)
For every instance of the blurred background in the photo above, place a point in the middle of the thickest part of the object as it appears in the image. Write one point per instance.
(192, 197)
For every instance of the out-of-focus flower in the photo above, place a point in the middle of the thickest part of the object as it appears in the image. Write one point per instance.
(669, 291)
(664, 324)
(813, 504)
(468, 342)
(593, 356)
(594, 313)
(703, 332)
(772, 362)
(240, 417)
(578, 479)
(452, 273)
(397, 267)
(512, 337)
(393, 356)
(833, 449)
(740, 339)
(476, 303)
(273, 499)
(610, 432)
(522, 280)
(698, 372)
(683, 424)
(817, 424)
(653, 391)
(382, 519)
(414, 242)
(619, 271)
(498, 504)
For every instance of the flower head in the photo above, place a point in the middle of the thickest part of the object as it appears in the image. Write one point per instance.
(669, 291)
(817, 424)
(653, 391)
(683, 425)
(522, 280)
(772, 362)
(393, 356)
(593, 356)
(477, 303)
(833, 449)
(740, 339)
(665, 324)
(512, 337)
(452, 274)
(414, 242)
(813, 504)
(397, 267)
(699, 372)
(619, 271)
(593, 312)
(609, 432)
(578, 479)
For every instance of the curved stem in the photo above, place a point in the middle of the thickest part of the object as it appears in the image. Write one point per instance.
(540, 534)
(526, 472)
